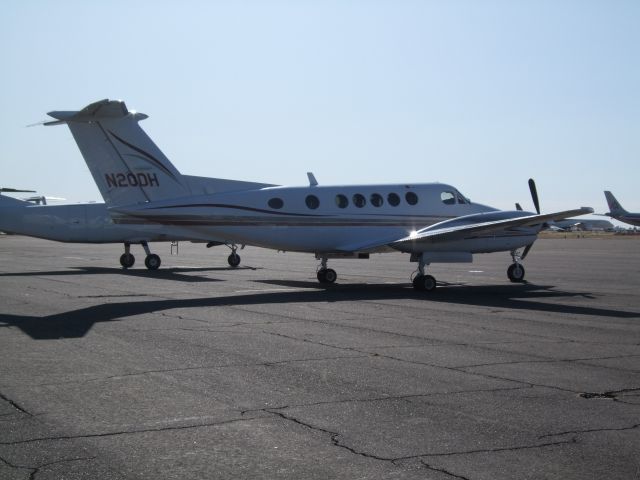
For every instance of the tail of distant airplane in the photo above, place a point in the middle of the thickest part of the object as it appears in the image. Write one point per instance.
(126, 165)
(614, 206)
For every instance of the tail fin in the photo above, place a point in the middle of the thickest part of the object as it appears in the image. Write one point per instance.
(125, 163)
(614, 206)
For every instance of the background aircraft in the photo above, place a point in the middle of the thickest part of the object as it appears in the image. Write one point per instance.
(91, 223)
(616, 211)
(433, 222)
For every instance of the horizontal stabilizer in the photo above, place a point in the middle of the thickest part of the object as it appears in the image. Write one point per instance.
(102, 110)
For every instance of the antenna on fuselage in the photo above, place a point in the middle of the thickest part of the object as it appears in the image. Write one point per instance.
(312, 179)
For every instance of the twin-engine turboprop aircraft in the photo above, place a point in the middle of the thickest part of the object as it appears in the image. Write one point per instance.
(433, 222)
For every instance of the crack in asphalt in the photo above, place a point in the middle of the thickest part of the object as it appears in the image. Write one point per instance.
(35, 470)
(335, 440)
(384, 398)
(414, 362)
(590, 430)
(14, 404)
(201, 367)
(127, 432)
(442, 470)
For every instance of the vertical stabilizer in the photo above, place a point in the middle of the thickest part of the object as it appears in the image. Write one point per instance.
(614, 206)
(125, 163)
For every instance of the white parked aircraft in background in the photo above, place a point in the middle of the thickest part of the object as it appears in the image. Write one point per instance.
(433, 222)
(616, 211)
(89, 223)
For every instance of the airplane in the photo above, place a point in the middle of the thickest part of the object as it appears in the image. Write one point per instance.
(616, 211)
(90, 223)
(433, 222)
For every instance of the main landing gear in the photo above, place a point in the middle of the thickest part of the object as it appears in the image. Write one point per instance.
(515, 272)
(152, 261)
(326, 275)
(421, 281)
(233, 259)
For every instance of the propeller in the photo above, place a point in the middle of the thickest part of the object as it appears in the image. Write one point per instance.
(534, 195)
(536, 203)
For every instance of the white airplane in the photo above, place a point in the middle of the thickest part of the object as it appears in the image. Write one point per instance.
(616, 211)
(433, 222)
(90, 223)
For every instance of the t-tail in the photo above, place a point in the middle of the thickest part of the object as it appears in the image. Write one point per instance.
(614, 206)
(126, 165)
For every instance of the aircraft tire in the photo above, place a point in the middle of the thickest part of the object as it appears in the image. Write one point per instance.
(152, 262)
(327, 275)
(234, 260)
(515, 272)
(127, 260)
(330, 275)
(429, 283)
(424, 283)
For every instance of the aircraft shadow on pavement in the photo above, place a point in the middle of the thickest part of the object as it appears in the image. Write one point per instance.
(76, 323)
(180, 274)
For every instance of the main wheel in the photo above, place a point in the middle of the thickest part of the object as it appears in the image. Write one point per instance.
(152, 262)
(424, 283)
(327, 275)
(330, 275)
(429, 283)
(234, 260)
(127, 260)
(515, 272)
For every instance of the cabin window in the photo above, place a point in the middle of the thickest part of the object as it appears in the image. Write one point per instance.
(359, 200)
(312, 202)
(342, 201)
(411, 198)
(448, 198)
(393, 199)
(276, 203)
(376, 200)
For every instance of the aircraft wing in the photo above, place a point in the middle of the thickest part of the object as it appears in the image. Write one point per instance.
(462, 227)
(441, 232)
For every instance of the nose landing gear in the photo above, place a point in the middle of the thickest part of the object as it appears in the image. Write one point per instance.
(515, 272)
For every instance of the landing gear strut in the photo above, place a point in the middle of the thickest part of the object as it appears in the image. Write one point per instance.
(326, 275)
(423, 282)
(515, 272)
(152, 261)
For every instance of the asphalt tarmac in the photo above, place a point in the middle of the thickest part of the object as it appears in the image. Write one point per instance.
(201, 371)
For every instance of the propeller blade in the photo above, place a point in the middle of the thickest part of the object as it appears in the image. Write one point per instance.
(526, 251)
(534, 195)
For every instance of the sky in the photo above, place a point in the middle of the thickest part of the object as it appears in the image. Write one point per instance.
(478, 94)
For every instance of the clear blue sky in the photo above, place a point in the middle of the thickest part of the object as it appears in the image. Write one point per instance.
(479, 94)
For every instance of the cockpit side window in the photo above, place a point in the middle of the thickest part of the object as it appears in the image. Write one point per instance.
(448, 198)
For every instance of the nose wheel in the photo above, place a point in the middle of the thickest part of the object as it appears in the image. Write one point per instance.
(515, 272)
